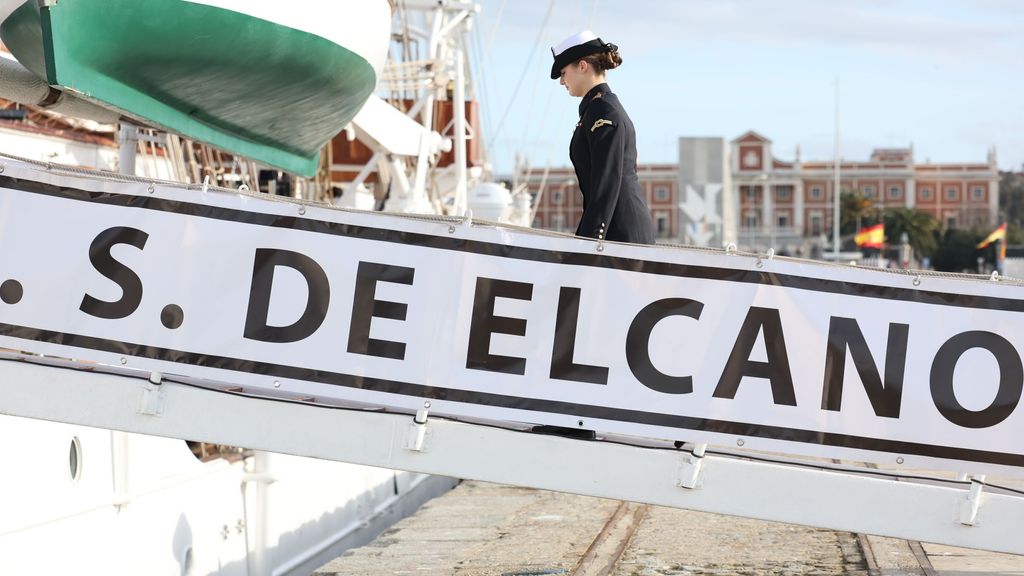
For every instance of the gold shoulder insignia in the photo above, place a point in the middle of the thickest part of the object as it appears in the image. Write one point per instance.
(599, 123)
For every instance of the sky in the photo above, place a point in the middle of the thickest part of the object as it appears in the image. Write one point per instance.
(945, 76)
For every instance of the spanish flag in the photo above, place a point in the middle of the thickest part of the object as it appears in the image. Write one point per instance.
(997, 234)
(871, 237)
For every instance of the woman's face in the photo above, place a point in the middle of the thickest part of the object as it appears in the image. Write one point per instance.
(577, 78)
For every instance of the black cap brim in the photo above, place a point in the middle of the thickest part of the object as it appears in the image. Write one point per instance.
(573, 54)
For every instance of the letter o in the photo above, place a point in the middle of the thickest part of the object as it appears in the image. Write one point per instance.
(1011, 379)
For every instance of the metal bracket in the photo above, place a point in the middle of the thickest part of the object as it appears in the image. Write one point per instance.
(691, 468)
(971, 504)
(152, 401)
(415, 441)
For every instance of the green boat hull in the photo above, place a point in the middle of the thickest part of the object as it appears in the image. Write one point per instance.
(247, 85)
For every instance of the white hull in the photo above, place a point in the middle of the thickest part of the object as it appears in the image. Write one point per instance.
(146, 505)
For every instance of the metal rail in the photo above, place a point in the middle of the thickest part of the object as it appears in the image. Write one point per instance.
(727, 485)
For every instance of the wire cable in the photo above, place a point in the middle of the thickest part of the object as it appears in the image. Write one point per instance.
(526, 68)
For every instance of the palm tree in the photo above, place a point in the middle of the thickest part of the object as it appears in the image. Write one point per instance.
(854, 208)
(920, 228)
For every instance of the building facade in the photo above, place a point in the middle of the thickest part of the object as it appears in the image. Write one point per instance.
(791, 202)
(740, 192)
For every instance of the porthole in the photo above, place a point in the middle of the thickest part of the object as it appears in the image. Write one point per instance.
(75, 459)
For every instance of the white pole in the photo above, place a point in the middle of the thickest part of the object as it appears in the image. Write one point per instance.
(835, 185)
(459, 129)
(128, 144)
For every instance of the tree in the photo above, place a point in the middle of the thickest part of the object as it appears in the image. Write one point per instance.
(1014, 235)
(920, 227)
(958, 252)
(1011, 198)
(855, 212)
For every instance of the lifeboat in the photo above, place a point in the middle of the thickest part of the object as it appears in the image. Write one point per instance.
(272, 81)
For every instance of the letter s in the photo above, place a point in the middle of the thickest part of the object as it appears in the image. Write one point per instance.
(123, 276)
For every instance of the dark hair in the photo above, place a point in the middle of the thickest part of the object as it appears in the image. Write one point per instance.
(604, 60)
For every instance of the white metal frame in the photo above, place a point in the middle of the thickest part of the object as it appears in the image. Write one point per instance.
(961, 515)
(442, 26)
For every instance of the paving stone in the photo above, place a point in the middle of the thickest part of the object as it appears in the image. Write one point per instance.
(672, 542)
(482, 529)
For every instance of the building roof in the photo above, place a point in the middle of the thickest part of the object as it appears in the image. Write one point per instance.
(751, 137)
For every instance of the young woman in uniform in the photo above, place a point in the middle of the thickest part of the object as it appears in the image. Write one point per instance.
(603, 147)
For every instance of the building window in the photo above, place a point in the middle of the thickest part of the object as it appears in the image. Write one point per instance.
(556, 197)
(950, 193)
(661, 194)
(816, 219)
(782, 220)
(751, 159)
(751, 193)
(950, 221)
(538, 222)
(869, 191)
(926, 193)
(661, 221)
(557, 222)
(782, 192)
(978, 193)
(895, 192)
(816, 192)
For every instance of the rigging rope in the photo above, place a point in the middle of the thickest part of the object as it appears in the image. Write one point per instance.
(526, 68)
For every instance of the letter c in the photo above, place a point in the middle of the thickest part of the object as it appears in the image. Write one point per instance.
(638, 340)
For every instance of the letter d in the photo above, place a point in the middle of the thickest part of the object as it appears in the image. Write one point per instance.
(319, 296)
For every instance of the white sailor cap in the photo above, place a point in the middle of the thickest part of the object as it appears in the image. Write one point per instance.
(575, 47)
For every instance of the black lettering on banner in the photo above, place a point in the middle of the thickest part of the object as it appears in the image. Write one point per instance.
(317, 298)
(485, 323)
(776, 369)
(638, 344)
(563, 349)
(1011, 379)
(123, 276)
(365, 307)
(885, 396)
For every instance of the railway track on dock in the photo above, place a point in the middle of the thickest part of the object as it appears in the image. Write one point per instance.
(482, 529)
(854, 554)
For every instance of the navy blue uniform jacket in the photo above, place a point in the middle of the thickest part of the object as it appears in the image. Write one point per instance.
(603, 152)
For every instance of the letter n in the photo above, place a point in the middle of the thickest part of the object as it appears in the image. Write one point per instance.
(885, 396)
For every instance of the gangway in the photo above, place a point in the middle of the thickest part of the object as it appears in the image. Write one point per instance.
(701, 379)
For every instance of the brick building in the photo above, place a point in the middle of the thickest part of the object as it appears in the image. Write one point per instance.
(561, 204)
(786, 202)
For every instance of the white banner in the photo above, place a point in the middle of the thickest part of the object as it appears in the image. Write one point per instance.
(508, 325)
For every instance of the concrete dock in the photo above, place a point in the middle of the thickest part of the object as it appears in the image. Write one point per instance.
(481, 529)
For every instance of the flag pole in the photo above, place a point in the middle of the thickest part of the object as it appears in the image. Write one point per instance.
(835, 185)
